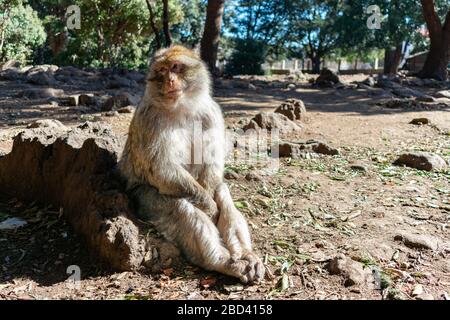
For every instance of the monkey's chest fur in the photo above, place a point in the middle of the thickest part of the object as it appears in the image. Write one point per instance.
(195, 142)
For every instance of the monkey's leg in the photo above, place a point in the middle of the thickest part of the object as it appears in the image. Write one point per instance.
(234, 231)
(191, 229)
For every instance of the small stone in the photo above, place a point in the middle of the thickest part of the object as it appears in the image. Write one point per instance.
(297, 149)
(359, 167)
(417, 291)
(87, 99)
(251, 176)
(252, 86)
(420, 121)
(418, 241)
(291, 86)
(73, 100)
(111, 114)
(231, 175)
(426, 98)
(425, 296)
(127, 109)
(116, 102)
(12, 223)
(352, 271)
(421, 161)
(443, 94)
(46, 123)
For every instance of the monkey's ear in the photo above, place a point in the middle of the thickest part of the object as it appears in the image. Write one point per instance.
(196, 50)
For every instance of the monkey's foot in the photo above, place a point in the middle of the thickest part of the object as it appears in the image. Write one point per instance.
(249, 269)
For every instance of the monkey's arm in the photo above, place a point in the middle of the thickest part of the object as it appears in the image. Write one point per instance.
(172, 179)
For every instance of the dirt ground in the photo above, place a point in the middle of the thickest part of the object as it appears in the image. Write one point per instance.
(306, 214)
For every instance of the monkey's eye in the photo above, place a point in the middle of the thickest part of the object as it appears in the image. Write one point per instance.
(177, 67)
(162, 70)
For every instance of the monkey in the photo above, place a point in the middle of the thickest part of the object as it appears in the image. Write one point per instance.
(188, 202)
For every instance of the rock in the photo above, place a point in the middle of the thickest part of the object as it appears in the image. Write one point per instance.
(71, 72)
(425, 296)
(41, 93)
(135, 75)
(327, 78)
(42, 75)
(359, 167)
(127, 109)
(231, 175)
(370, 81)
(116, 102)
(418, 241)
(422, 161)
(11, 74)
(426, 98)
(47, 123)
(269, 121)
(297, 149)
(12, 223)
(119, 82)
(87, 100)
(386, 83)
(73, 100)
(251, 87)
(417, 291)
(352, 271)
(10, 64)
(111, 114)
(291, 86)
(407, 93)
(443, 94)
(294, 109)
(251, 176)
(420, 121)
(75, 170)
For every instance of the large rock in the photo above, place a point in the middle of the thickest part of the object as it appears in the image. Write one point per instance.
(327, 78)
(270, 120)
(294, 109)
(422, 161)
(74, 169)
(297, 149)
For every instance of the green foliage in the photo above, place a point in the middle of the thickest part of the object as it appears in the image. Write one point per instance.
(247, 57)
(21, 31)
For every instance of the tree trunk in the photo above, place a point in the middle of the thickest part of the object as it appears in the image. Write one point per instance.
(315, 64)
(153, 25)
(166, 28)
(211, 34)
(439, 55)
(392, 59)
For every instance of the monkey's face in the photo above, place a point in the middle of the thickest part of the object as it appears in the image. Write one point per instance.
(177, 72)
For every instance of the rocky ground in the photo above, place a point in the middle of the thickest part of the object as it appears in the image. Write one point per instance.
(344, 223)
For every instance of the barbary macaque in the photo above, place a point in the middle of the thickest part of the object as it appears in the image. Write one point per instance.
(187, 201)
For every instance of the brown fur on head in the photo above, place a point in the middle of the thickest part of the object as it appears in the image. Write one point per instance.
(177, 72)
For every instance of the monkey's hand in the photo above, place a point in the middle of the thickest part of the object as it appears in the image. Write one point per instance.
(208, 206)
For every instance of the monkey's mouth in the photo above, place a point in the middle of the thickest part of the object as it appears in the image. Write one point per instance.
(174, 93)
